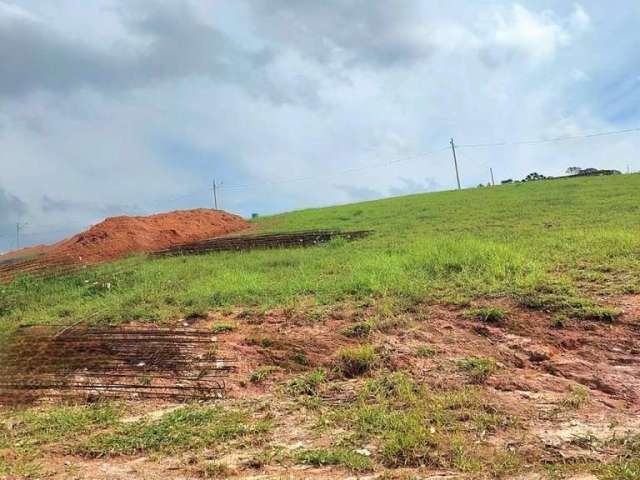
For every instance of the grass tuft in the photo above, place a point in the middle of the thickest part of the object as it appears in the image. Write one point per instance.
(358, 330)
(488, 314)
(356, 361)
(223, 327)
(478, 368)
(322, 457)
(308, 384)
(259, 375)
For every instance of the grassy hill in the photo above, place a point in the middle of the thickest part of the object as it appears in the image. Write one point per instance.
(573, 238)
(483, 333)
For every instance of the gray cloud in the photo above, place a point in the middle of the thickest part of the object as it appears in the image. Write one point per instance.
(172, 43)
(64, 207)
(355, 32)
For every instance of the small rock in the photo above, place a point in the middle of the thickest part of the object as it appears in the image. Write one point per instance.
(363, 451)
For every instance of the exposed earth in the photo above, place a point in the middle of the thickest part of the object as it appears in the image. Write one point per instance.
(116, 237)
(560, 395)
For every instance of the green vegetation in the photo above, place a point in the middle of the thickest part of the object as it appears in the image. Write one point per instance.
(192, 427)
(25, 434)
(425, 351)
(356, 361)
(259, 375)
(530, 239)
(489, 314)
(309, 383)
(559, 321)
(347, 458)
(478, 368)
(415, 427)
(222, 327)
(360, 329)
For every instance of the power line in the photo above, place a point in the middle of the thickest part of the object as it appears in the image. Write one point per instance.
(549, 140)
(337, 173)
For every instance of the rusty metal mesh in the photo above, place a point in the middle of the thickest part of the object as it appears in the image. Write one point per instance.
(129, 362)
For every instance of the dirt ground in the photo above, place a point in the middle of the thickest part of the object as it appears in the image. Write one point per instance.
(539, 369)
(116, 237)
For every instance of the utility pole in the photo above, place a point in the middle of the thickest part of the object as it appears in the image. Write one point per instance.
(493, 182)
(455, 162)
(19, 226)
(215, 195)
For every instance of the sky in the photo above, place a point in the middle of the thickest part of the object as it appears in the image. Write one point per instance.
(130, 107)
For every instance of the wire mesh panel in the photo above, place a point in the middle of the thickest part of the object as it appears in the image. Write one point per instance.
(124, 362)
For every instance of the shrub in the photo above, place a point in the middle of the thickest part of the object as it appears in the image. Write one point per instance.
(357, 360)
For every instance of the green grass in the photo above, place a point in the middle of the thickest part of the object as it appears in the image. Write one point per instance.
(189, 428)
(573, 238)
(413, 427)
(27, 434)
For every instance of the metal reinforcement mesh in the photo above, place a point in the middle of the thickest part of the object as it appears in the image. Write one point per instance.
(130, 362)
(51, 266)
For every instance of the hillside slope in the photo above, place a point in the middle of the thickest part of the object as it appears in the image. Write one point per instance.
(486, 333)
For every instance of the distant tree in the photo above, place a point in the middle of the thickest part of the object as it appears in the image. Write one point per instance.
(533, 177)
(508, 180)
(574, 170)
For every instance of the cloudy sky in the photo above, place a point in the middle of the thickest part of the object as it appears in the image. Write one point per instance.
(113, 107)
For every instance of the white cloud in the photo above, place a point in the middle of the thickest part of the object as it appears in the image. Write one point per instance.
(536, 36)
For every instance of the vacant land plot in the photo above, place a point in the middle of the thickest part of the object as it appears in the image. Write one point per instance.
(487, 333)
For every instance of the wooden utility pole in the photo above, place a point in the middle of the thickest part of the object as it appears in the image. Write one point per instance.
(493, 182)
(455, 162)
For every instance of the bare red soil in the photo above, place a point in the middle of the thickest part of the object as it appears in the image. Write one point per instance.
(117, 237)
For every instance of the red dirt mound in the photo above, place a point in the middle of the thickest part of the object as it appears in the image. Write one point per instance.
(119, 236)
